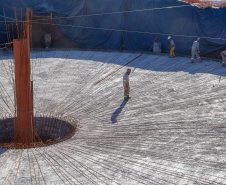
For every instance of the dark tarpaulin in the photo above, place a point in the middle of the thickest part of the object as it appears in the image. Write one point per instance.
(127, 24)
(185, 22)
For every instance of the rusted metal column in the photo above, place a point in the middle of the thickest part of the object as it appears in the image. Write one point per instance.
(24, 130)
(24, 120)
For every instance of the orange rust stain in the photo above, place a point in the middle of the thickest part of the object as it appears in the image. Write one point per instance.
(24, 121)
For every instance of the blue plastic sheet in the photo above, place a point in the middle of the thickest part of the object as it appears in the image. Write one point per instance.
(127, 24)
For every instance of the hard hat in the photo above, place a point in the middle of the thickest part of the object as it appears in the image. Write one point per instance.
(169, 37)
(129, 70)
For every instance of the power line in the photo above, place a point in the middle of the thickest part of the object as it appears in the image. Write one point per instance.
(119, 30)
(133, 31)
(111, 13)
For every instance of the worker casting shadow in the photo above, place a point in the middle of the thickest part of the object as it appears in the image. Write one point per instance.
(117, 112)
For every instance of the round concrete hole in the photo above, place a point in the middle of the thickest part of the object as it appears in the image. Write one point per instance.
(48, 130)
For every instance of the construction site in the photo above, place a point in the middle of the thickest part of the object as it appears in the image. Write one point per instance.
(113, 92)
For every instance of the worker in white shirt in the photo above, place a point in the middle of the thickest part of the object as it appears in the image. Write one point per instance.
(126, 85)
(223, 55)
(195, 51)
(172, 47)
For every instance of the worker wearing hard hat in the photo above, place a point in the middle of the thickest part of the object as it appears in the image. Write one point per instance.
(126, 85)
(223, 55)
(195, 51)
(172, 47)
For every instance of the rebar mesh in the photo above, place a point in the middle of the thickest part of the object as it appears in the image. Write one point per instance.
(50, 129)
(172, 130)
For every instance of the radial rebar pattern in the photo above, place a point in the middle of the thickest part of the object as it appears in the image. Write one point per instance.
(49, 130)
(172, 130)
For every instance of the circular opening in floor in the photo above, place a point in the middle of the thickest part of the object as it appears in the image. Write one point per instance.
(48, 130)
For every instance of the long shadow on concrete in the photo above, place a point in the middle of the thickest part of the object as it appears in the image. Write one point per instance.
(2, 151)
(160, 63)
(117, 112)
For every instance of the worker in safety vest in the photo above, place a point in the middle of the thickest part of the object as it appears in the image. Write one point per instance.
(126, 84)
(172, 47)
(195, 51)
(223, 55)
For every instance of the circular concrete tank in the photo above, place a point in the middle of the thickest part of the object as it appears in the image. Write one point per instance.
(172, 130)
